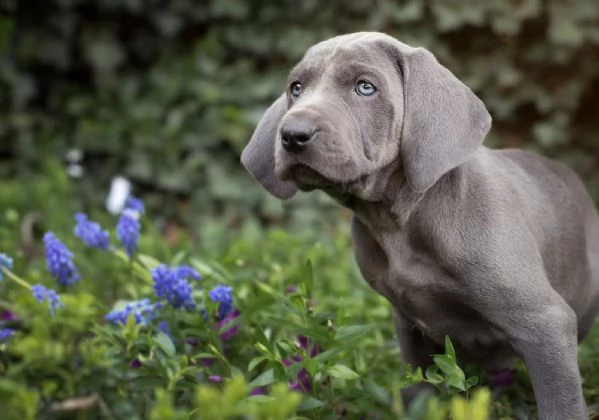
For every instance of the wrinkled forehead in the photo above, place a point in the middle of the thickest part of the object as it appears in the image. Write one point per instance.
(360, 50)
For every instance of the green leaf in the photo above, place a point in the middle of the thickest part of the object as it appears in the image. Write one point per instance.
(317, 332)
(377, 392)
(456, 382)
(471, 381)
(342, 372)
(149, 262)
(446, 364)
(266, 378)
(255, 362)
(260, 398)
(165, 343)
(308, 277)
(147, 382)
(208, 271)
(433, 376)
(327, 355)
(311, 365)
(347, 333)
(310, 403)
(449, 350)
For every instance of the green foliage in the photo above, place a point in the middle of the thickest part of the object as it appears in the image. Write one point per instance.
(167, 93)
(295, 349)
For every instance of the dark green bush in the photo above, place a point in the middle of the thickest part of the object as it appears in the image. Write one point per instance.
(167, 93)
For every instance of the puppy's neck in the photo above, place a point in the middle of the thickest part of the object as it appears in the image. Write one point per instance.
(381, 201)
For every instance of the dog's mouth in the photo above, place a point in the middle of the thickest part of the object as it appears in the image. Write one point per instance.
(307, 177)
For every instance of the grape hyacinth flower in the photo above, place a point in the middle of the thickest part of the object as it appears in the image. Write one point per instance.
(127, 231)
(186, 271)
(135, 204)
(6, 263)
(223, 295)
(91, 233)
(60, 260)
(128, 226)
(40, 293)
(143, 312)
(172, 285)
(165, 328)
(5, 333)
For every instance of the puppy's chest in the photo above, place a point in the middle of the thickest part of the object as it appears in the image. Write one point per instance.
(424, 293)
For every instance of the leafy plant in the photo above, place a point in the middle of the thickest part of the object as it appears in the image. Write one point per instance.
(189, 338)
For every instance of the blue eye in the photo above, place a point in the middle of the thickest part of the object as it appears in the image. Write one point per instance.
(364, 88)
(295, 89)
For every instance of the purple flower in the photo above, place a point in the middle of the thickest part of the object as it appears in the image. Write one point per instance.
(7, 315)
(40, 293)
(5, 333)
(5, 263)
(135, 363)
(502, 377)
(193, 342)
(91, 233)
(258, 391)
(302, 381)
(60, 260)
(127, 231)
(134, 204)
(215, 378)
(223, 295)
(173, 286)
(232, 330)
(143, 312)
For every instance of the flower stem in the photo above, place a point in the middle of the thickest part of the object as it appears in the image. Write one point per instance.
(15, 278)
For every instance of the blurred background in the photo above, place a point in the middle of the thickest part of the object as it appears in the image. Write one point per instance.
(167, 93)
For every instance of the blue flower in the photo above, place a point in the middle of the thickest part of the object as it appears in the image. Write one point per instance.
(127, 231)
(60, 260)
(143, 311)
(5, 333)
(5, 262)
(165, 328)
(187, 272)
(135, 204)
(224, 295)
(40, 293)
(172, 285)
(91, 232)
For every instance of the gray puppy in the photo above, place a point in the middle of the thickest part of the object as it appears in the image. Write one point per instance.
(497, 249)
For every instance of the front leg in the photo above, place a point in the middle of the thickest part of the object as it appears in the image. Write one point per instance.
(416, 350)
(549, 352)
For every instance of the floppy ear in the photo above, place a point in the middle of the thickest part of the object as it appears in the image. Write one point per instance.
(259, 155)
(444, 121)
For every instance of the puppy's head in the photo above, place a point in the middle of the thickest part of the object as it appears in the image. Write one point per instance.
(355, 104)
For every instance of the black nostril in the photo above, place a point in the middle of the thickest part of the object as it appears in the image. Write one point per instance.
(296, 135)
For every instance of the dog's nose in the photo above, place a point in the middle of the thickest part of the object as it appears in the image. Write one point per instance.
(296, 135)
